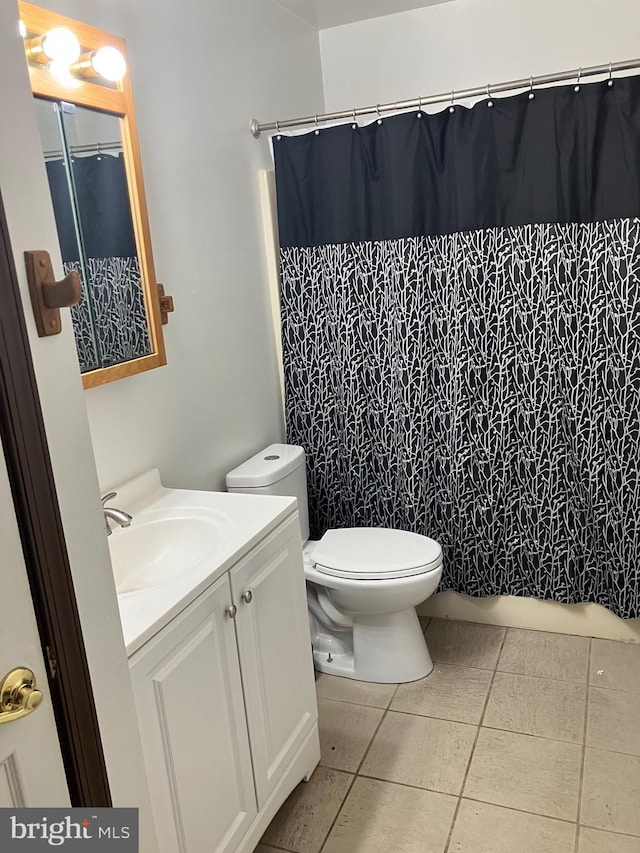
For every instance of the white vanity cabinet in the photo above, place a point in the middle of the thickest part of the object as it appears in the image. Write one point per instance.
(191, 713)
(226, 703)
(272, 626)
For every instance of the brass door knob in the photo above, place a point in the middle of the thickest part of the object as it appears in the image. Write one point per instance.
(18, 694)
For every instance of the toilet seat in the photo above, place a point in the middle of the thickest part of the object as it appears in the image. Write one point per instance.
(375, 553)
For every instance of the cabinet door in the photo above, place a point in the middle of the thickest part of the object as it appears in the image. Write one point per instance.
(193, 726)
(275, 653)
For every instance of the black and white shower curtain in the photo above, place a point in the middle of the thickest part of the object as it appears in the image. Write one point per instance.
(97, 240)
(461, 335)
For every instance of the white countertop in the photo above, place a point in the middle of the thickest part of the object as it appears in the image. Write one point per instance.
(248, 518)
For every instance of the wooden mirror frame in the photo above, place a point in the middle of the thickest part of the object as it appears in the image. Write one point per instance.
(119, 102)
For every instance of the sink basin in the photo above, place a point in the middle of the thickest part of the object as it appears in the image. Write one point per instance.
(181, 541)
(163, 544)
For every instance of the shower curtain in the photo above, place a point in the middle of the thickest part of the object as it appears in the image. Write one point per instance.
(461, 335)
(110, 321)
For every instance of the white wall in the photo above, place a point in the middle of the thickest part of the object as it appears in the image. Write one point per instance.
(200, 72)
(467, 43)
(460, 45)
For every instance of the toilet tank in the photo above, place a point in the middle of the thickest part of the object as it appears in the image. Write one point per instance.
(277, 470)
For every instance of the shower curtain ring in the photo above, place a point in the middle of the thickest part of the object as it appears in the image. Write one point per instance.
(610, 81)
(316, 131)
(576, 88)
(452, 108)
(531, 92)
(489, 102)
(419, 113)
(378, 111)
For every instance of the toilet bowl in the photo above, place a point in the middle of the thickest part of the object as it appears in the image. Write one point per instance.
(362, 605)
(363, 584)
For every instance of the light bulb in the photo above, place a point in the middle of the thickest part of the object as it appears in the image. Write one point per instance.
(61, 46)
(109, 63)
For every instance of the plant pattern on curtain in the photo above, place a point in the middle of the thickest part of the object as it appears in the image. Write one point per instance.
(110, 321)
(481, 387)
(115, 328)
(475, 388)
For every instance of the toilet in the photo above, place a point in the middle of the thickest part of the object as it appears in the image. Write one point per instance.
(363, 584)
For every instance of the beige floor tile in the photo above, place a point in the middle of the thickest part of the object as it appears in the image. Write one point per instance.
(614, 720)
(345, 732)
(615, 665)
(560, 656)
(349, 690)
(597, 841)
(304, 820)
(523, 772)
(611, 791)
(464, 643)
(483, 828)
(421, 751)
(380, 817)
(537, 706)
(262, 848)
(449, 692)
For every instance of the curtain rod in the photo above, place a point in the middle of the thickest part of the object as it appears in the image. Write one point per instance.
(489, 89)
(86, 149)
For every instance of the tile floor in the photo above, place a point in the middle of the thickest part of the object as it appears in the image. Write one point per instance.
(518, 742)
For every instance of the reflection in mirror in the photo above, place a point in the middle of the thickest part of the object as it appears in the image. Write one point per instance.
(88, 183)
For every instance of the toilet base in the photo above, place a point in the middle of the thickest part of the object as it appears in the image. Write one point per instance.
(387, 648)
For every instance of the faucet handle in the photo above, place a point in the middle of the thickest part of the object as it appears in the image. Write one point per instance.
(108, 497)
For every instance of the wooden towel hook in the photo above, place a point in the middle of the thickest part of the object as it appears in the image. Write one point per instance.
(48, 296)
(166, 304)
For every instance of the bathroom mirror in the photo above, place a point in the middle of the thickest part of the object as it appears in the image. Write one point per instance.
(90, 148)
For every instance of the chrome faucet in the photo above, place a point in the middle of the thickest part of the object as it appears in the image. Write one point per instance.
(118, 515)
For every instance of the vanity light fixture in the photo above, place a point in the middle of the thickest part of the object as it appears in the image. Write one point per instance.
(60, 52)
(106, 62)
(59, 46)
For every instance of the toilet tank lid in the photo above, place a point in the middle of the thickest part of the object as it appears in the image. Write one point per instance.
(267, 467)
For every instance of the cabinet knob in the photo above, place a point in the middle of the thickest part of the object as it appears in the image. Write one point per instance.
(247, 597)
(231, 611)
